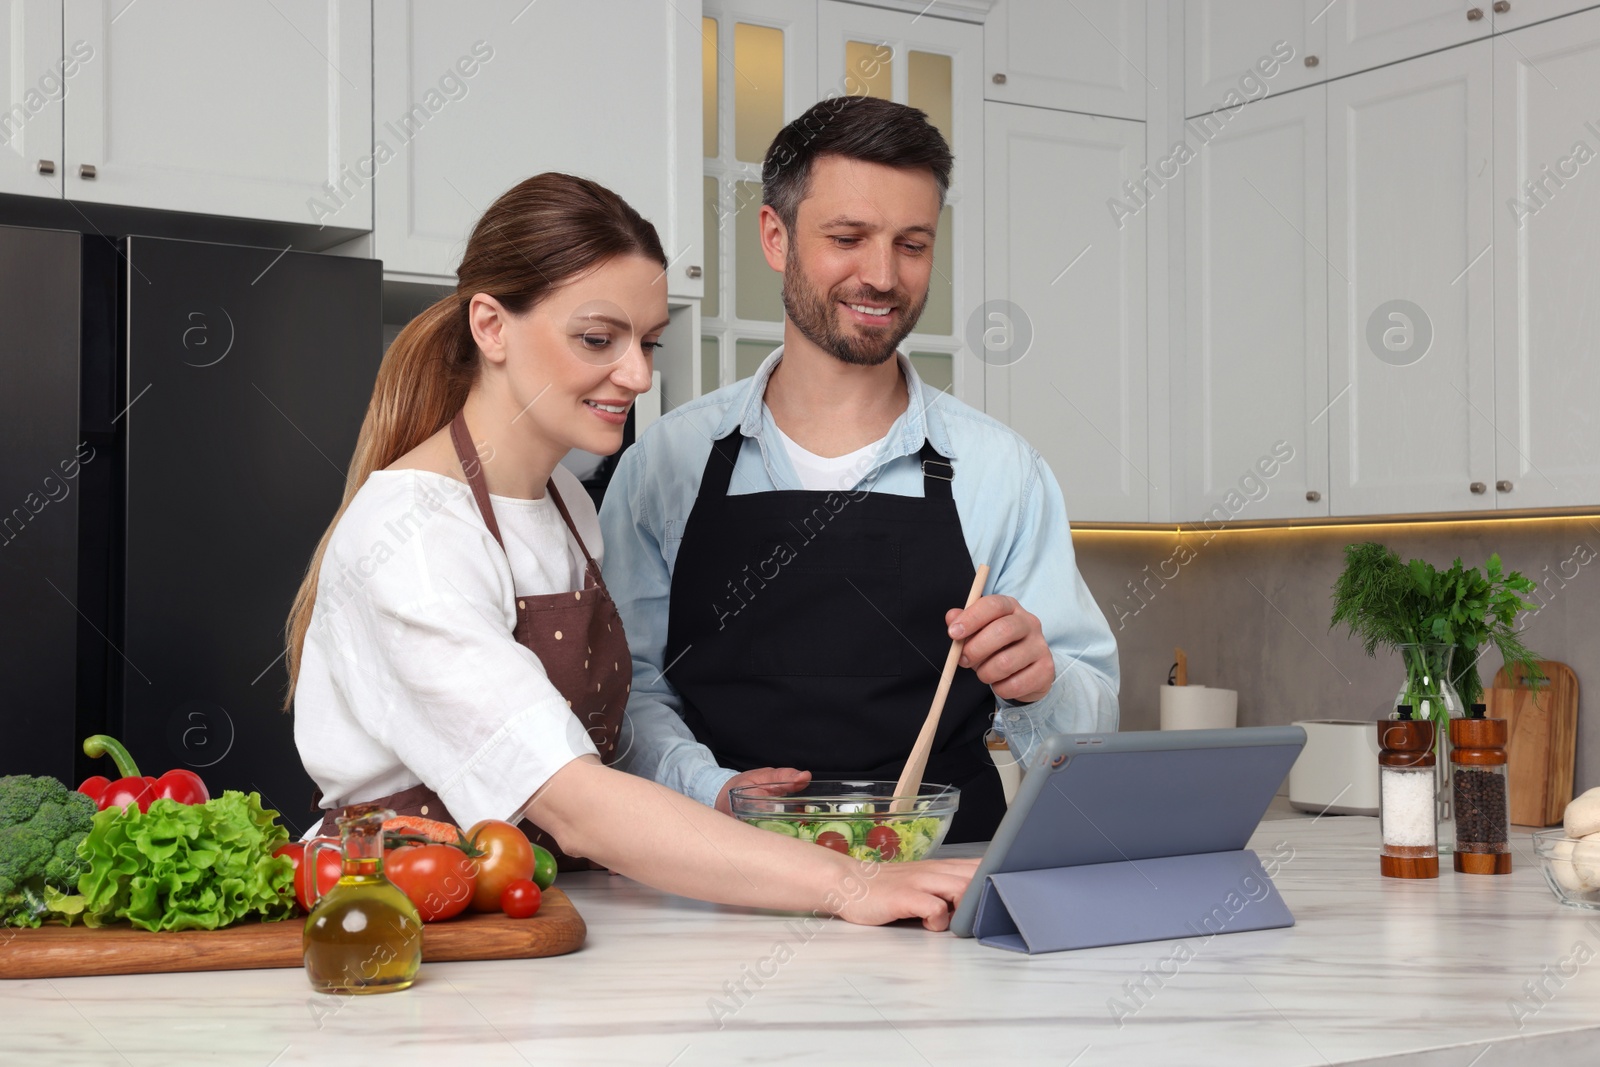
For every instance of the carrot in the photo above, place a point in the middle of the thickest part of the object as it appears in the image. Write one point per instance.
(434, 830)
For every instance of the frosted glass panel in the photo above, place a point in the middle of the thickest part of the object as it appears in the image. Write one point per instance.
(937, 315)
(708, 86)
(749, 355)
(757, 288)
(928, 88)
(868, 69)
(710, 306)
(935, 368)
(711, 366)
(757, 89)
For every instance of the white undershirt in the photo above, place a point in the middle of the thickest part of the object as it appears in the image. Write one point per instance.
(410, 672)
(829, 474)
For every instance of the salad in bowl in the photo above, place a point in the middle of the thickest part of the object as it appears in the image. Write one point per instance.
(860, 819)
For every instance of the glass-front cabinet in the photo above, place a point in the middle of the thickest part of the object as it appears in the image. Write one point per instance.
(764, 62)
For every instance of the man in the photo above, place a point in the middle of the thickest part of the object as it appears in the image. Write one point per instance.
(790, 554)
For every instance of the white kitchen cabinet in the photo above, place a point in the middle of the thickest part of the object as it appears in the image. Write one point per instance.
(34, 78)
(1064, 319)
(1087, 55)
(258, 109)
(1519, 13)
(1250, 48)
(1369, 33)
(472, 97)
(1547, 290)
(1410, 289)
(1256, 388)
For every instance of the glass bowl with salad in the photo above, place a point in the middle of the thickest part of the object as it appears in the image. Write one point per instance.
(856, 818)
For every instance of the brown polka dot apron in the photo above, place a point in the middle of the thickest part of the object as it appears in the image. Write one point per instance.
(578, 637)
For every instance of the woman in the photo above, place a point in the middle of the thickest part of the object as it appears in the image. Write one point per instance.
(453, 652)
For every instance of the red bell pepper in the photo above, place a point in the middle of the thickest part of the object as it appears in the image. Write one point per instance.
(183, 786)
(180, 785)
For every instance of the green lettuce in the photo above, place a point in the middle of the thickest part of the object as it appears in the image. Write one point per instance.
(916, 836)
(186, 866)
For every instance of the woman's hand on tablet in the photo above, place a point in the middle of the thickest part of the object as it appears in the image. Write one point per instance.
(929, 890)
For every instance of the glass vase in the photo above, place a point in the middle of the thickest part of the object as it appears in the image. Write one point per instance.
(1428, 690)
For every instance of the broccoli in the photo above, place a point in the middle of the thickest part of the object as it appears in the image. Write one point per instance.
(42, 823)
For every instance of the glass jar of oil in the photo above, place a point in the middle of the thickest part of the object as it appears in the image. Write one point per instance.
(364, 935)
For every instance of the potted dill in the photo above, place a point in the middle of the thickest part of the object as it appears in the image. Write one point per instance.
(1441, 623)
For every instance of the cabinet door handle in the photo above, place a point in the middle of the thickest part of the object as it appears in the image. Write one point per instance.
(1502, 6)
(1474, 14)
(86, 170)
(1478, 487)
(1503, 485)
(999, 79)
(47, 166)
(1313, 496)
(693, 271)
(1312, 61)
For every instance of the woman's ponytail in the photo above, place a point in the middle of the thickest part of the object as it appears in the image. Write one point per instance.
(422, 382)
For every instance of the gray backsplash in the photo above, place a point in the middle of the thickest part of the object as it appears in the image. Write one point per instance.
(1251, 609)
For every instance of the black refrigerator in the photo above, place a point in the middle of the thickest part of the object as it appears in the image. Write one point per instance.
(176, 419)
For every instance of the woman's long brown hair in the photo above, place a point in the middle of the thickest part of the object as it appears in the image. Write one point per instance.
(540, 234)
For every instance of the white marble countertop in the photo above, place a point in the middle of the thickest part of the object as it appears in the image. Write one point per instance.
(1375, 969)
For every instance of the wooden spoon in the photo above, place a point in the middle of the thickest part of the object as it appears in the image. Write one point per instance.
(906, 789)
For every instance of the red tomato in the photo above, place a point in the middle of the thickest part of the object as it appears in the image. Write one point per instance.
(835, 840)
(330, 865)
(885, 840)
(437, 878)
(521, 899)
(508, 857)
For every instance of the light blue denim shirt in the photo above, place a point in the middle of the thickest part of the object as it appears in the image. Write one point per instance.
(1012, 516)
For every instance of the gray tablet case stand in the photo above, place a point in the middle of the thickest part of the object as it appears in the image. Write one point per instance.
(1143, 840)
(1128, 901)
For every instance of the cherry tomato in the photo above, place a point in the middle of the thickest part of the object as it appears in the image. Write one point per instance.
(835, 840)
(330, 865)
(521, 898)
(544, 867)
(437, 878)
(508, 856)
(885, 840)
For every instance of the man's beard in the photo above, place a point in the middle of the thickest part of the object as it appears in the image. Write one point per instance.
(814, 314)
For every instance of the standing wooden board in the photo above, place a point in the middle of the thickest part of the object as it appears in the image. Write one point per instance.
(1543, 741)
(68, 951)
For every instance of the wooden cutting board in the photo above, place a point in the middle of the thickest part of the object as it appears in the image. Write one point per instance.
(68, 951)
(1543, 740)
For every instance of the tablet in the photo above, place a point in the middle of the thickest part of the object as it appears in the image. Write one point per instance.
(1099, 798)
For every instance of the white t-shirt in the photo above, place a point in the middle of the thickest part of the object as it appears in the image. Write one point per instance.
(410, 672)
(827, 474)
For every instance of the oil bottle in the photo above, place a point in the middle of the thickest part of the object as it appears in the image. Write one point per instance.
(364, 935)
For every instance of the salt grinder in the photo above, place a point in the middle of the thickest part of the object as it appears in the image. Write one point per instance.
(1406, 810)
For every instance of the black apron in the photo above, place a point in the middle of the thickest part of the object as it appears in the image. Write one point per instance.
(806, 629)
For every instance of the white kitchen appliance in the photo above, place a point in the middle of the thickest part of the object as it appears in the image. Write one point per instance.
(1337, 771)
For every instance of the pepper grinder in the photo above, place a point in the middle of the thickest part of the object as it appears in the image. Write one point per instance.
(1406, 811)
(1479, 788)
